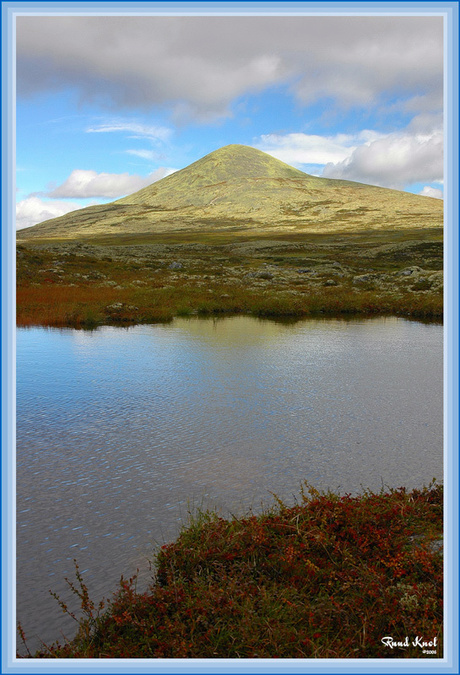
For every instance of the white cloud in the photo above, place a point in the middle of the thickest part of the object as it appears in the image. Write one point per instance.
(414, 155)
(198, 65)
(429, 191)
(302, 149)
(143, 154)
(153, 133)
(83, 184)
(33, 210)
(393, 161)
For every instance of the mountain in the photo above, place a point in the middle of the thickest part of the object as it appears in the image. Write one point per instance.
(241, 189)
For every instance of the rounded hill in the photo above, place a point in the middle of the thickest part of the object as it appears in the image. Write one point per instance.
(241, 189)
(230, 174)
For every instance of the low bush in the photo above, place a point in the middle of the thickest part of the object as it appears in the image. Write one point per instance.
(329, 577)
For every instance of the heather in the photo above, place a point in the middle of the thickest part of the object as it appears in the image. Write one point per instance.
(327, 577)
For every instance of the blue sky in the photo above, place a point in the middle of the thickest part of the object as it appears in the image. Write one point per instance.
(108, 104)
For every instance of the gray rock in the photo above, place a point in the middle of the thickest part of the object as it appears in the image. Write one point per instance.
(436, 546)
(409, 271)
(363, 279)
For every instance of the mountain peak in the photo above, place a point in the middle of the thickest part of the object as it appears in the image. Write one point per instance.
(244, 161)
(235, 162)
(238, 187)
(232, 167)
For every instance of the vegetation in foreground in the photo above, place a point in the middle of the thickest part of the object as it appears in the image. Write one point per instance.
(146, 281)
(326, 578)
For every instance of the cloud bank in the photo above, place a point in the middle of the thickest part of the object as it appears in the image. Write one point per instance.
(196, 66)
(303, 149)
(393, 161)
(388, 160)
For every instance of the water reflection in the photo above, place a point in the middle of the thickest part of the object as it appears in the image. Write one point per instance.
(122, 431)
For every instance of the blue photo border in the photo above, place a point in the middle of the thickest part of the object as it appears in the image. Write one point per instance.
(450, 662)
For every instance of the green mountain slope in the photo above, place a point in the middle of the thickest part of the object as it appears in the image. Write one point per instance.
(241, 189)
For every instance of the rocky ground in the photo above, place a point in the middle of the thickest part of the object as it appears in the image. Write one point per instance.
(258, 264)
(226, 273)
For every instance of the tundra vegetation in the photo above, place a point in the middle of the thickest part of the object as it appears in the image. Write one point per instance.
(328, 577)
(147, 279)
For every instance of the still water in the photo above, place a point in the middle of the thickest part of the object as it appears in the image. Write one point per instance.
(121, 432)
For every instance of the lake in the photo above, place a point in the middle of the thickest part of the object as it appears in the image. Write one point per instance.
(121, 432)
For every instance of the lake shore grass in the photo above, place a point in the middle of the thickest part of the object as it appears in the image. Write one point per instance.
(85, 285)
(329, 577)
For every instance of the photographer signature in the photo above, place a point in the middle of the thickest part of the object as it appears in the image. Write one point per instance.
(428, 646)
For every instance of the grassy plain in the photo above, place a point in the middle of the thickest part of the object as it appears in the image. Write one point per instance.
(326, 578)
(147, 278)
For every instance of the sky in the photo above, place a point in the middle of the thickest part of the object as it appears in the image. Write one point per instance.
(106, 105)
